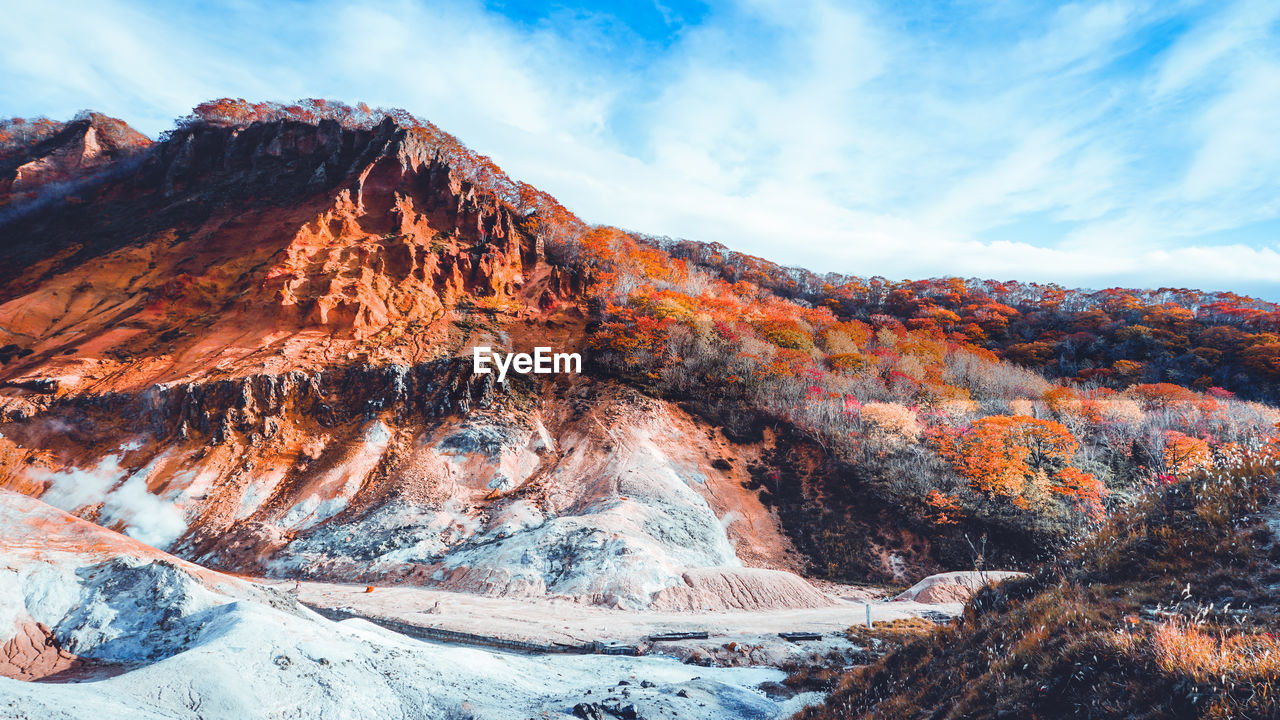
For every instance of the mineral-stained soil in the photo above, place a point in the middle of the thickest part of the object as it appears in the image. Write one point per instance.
(163, 638)
(249, 346)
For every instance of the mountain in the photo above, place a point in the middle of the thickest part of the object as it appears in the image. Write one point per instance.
(251, 343)
(250, 350)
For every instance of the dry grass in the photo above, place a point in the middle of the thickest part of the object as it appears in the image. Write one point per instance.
(1206, 656)
(1168, 612)
(894, 632)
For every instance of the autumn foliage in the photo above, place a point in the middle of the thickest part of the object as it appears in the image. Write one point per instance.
(1021, 459)
(943, 509)
(1114, 337)
(17, 134)
(966, 404)
(903, 386)
(1184, 454)
(1167, 611)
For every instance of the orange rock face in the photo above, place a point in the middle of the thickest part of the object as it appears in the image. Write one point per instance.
(270, 248)
(32, 653)
(252, 347)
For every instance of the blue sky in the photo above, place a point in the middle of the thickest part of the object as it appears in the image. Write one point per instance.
(1089, 144)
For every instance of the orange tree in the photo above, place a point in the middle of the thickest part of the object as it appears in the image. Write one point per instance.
(1022, 459)
(1185, 454)
(638, 341)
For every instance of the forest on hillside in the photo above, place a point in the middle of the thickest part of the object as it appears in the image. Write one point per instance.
(1018, 411)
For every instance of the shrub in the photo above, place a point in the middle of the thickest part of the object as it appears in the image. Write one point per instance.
(1020, 459)
(1079, 638)
(1183, 649)
(1184, 454)
(785, 333)
(891, 423)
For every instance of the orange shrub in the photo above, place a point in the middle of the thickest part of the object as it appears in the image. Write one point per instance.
(1063, 400)
(1184, 454)
(1163, 395)
(1126, 369)
(1017, 458)
(785, 333)
(849, 362)
(942, 509)
(1189, 651)
(632, 335)
(891, 422)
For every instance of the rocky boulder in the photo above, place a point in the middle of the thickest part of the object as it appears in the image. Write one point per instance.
(953, 587)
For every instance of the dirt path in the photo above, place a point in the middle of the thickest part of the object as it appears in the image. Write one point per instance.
(548, 621)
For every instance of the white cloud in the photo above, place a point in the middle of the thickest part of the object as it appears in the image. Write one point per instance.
(1240, 150)
(866, 139)
(1209, 46)
(1080, 36)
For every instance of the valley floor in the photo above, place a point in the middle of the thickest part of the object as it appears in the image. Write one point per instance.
(261, 668)
(251, 660)
(734, 637)
(116, 629)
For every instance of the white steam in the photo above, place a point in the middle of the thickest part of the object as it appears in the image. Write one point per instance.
(146, 517)
(74, 488)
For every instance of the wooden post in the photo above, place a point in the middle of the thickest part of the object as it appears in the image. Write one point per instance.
(868, 605)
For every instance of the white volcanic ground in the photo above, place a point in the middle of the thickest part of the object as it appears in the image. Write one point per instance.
(736, 637)
(619, 502)
(187, 642)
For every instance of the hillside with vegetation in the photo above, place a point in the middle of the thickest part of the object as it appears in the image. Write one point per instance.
(1169, 611)
(908, 411)
(248, 344)
(950, 410)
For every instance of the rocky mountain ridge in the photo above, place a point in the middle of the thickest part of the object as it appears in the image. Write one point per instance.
(35, 156)
(251, 349)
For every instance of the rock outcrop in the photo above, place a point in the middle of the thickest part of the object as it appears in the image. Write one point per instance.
(31, 652)
(954, 587)
(249, 346)
(273, 247)
(33, 161)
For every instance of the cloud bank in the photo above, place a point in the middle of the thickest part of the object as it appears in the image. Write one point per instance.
(1088, 144)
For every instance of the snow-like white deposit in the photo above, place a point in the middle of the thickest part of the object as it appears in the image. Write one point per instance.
(251, 663)
(248, 661)
(617, 526)
(623, 553)
(200, 645)
(10, 612)
(629, 530)
(333, 490)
